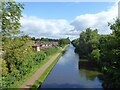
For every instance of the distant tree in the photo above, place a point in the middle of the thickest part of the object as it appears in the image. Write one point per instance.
(38, 39)
(44, 39)
(64, 41)
(33, 38)
(75, 43)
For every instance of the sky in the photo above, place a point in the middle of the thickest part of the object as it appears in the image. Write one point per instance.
(59, 10)
(66, 19)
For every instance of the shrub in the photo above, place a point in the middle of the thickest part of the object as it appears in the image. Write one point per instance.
(40, 56)
(95, 55)
(51, 51)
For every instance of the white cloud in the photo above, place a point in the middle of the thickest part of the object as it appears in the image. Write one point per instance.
(61, 28)
(99, 20)
(38, 27)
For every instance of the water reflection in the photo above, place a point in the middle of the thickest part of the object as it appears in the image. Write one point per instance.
(90, 75)
(68, 73)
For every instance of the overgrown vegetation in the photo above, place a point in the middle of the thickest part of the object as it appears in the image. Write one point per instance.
(16, 74)
(51, 50)
(103, 50)
(18, 56)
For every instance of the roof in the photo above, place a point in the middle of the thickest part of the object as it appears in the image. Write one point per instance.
(41, 43)
(38, 44)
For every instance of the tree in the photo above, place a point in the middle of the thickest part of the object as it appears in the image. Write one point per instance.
(110, 56)
(33, 38)
(4, 67)
(95, 55)
(11, 42)
(88, 41)
(64, 41)
(44, 39)
(11, 13)
(75, 43)
(105, 49)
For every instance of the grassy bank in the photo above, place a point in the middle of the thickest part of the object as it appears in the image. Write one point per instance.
(46, 73)
(33, 70)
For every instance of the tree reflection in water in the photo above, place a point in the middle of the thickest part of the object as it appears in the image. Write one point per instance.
(88, 70)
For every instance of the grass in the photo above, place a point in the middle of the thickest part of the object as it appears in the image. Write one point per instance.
(45, 74)
(41, 79)
(33, 70)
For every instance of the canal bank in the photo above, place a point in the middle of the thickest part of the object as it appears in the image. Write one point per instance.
(47, 70)
(67, 73)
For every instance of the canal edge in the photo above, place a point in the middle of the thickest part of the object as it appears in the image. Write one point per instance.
(39, 82)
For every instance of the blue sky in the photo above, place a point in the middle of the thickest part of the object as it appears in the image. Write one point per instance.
(66, 19)
(62, 10)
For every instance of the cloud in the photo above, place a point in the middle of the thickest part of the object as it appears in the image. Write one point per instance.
(52, 28)
(61, 28)
(99, 20)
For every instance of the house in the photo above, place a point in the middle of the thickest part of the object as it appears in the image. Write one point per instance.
(55, 43)
(36, 47)
(44, 45)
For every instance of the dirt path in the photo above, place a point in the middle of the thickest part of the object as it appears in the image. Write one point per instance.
(39, 72)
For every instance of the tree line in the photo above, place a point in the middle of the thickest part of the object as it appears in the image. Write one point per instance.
(104, 50)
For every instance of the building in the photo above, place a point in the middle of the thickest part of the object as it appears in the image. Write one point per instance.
(44, 45)
(36, 47)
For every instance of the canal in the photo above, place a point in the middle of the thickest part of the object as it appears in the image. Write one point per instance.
(67, 73)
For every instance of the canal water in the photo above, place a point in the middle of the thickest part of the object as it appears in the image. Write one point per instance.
(68, 74)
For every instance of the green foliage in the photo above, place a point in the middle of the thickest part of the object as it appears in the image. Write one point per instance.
(51, 50)
(19, 67)
(75, 43)
(95, 55)
(105, 50)
(45, 39)
(88, 41)
(64, 41)
(11, 13)
(40, 56)
(18, 57)
(41, 79)
(110, 56)
(4, 68)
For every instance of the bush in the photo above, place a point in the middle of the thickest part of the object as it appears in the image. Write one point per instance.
(4, 67)
(51, 51)
(20, 69)
(95, 55)
(40, 56)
